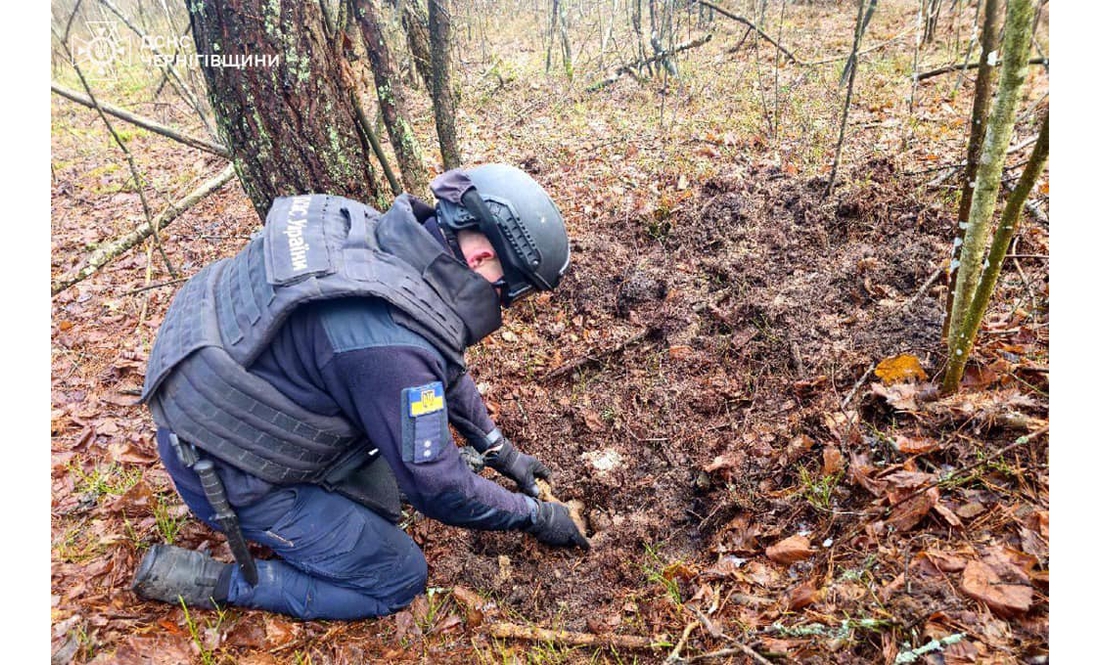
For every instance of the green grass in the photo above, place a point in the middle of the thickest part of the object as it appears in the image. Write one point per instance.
(817, 490)
(104, 479)
(655, 569)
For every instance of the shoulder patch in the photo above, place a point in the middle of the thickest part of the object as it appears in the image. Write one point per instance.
(426, 399)
(423, 423)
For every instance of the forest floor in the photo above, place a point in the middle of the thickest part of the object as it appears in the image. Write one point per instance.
(704, 380)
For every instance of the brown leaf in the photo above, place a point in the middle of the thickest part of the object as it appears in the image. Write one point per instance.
(472, 603)
(832, 461)
(861, 471)
(802, 595)
(679, 352)
(722, 462)
(909, 513)
(950, 517)
(160, 650)
(944, 562)
(844, 426)
(905, 396)
(916, 445)
(897, 369)
(790, 550)
(279, 631)
(981, 582)
(592, 420)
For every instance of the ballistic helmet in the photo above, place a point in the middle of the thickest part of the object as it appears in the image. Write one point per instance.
(518, 217)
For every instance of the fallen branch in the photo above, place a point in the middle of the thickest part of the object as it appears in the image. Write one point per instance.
(638, 64)
(745, 21)
(972, 65)
(112, 250)
(514, 631)
(144, 123)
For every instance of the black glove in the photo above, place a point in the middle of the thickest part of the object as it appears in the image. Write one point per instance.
(554, 526)
(505, 459)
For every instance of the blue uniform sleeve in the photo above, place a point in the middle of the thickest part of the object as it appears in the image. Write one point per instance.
(392, 387)
(467, 410)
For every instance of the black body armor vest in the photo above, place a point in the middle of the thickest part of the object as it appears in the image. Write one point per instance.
(313, 247)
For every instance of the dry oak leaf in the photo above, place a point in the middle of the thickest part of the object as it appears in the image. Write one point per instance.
(981, 582)
(910, 512)
(790, 550)
(900, 368)
(915, 445)
(905, 396)
(832, 461)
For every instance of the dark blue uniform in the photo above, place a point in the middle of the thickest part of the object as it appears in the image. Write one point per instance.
(340, 560)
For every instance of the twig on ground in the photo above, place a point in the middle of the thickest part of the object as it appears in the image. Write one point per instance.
(144, 123)
(506, 630)
(838, 58)
(674, 657)
(852, 393)
(107, 253)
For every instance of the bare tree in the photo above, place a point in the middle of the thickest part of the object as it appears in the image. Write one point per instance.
(443, 98)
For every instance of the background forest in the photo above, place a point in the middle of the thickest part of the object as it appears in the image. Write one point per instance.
(743, 378)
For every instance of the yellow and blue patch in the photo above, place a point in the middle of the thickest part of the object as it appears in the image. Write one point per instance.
(425, 399)
(423, 423)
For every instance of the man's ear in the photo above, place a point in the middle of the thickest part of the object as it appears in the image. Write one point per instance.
(479, 256)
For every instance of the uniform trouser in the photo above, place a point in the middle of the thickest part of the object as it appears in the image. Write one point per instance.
(339, 560)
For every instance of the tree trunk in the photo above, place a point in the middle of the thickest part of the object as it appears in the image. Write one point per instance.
(977, 132)
(417, 34)
(286, 119)
(1017, 43)
(443, 98)
(391, 100)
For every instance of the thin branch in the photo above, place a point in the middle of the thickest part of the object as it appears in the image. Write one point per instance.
(752, 26)
(144, 123)
(109, 252)
(972, 65)
(638, 64)
(507, 630)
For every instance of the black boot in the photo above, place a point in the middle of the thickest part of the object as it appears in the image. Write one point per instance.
(169, 573)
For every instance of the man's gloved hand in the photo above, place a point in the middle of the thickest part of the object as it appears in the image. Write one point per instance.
(506, 460)
(554, 526)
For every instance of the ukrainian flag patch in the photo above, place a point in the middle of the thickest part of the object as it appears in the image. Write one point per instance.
(425, 399)
(423, 423)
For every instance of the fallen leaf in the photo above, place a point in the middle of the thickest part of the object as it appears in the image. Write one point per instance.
(279, 631)
(910, 512)
(844, 426)
(905, 396)
(790, 550)
(981, 582)
(802, 595)
(915, 445)
(949, 516)
(900, 368)
(832, 461)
